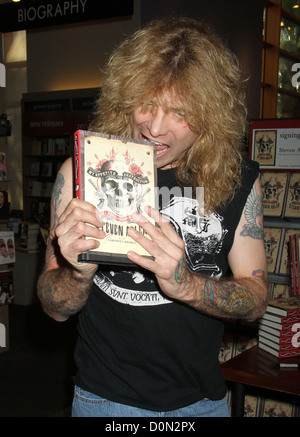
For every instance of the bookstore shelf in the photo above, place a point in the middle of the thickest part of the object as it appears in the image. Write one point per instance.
(49, 121)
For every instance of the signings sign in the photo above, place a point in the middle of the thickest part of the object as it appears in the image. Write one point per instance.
(32, 14)
(275, 144)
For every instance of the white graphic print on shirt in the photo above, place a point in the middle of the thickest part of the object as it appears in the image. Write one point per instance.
(203, 236)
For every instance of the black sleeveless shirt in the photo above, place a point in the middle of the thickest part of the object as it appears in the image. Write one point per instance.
(139, 348)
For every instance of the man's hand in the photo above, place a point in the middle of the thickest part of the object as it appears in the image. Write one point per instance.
(79, 219)
(167, 250)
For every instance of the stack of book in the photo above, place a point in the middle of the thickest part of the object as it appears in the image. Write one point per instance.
(27, 235)
(279, 328)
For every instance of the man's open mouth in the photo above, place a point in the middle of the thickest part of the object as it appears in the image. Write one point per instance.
(160, 148)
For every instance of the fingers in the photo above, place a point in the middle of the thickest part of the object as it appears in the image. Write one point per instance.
(163, 232)
(79, 219)
(162, 243)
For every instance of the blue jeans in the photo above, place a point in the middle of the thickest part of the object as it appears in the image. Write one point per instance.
(86, 404)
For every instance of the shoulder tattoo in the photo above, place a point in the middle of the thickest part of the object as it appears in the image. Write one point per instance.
(254, 216)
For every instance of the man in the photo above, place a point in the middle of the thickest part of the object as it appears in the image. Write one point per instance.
(176, 85)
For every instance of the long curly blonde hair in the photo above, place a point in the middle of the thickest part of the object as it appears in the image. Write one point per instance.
(185, 57)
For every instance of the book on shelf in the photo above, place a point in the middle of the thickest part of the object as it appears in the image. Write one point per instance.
(118, 176)
(50, 146)
(36, 147)
(46, 169)
(27, 234)
(39, 189)
(273, 247)
(283, 266)
(273, 188)
(294, 240)
(3, 169)
(279, 328)
(292, 207)
(281, 194)
(35, 168)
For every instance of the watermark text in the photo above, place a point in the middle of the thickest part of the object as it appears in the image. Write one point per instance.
(2, 75)
(2, 335)
(296, 76)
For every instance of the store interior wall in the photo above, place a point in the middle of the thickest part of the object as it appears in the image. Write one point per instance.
(71, 56)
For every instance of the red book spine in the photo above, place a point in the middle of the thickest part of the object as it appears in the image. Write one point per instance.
(297, 278)
(77, 163)
(292, 264)
(289, 354)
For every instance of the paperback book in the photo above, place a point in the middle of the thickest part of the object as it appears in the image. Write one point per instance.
(118, 176)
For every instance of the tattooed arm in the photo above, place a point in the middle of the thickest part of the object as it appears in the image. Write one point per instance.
(64, 284)
(243, 296)
(246, 295)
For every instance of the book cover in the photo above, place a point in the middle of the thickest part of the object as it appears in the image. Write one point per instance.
(118, 176)
(273, 187)
(286, 307)
(292, 208)
(272, 238)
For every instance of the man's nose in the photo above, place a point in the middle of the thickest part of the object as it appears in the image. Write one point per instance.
(158, 123)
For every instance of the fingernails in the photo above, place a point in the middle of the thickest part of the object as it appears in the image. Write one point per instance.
(139, 218)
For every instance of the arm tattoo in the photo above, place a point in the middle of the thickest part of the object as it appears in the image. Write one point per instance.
(63, 292)
(56, 200)
(228, 297)
(260, 274)
(254, 216)
(180, 272)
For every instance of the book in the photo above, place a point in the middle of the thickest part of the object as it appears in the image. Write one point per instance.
(273, 333)
(284, 327)
(284, 262)
(273, 187)
(276, 351)
(272, 241)
(3, 169)
(277, 339)
(294, 263)
(292, 207)
(118, 176)
(285, 307)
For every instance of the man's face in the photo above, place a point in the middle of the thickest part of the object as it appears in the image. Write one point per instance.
(163, 123)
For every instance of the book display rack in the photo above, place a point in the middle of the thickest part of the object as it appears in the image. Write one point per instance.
(275, 144)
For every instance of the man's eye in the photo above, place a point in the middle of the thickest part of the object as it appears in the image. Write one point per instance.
(179, 114)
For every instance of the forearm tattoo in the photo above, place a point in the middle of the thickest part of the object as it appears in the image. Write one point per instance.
(180, 272)
(61, 291)
(228, 297)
